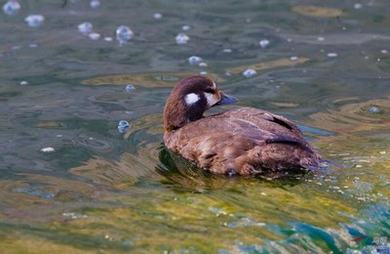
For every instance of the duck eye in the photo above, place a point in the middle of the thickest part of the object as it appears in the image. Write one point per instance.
(210, 90)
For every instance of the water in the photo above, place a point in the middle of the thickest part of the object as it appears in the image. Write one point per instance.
(99, 190)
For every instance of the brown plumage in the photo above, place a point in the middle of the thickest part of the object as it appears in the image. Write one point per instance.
(244, 141)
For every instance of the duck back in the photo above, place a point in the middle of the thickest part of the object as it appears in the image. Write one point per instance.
(243, 141)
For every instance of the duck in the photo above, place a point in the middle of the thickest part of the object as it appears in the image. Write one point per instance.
(242, 141)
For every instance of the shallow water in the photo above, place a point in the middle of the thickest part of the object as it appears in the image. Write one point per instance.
(101, 191)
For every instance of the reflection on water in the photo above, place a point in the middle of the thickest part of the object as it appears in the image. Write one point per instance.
(110, 192)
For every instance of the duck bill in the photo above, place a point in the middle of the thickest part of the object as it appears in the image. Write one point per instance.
(226, 100)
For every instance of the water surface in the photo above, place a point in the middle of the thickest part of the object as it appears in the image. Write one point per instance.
(326, 67)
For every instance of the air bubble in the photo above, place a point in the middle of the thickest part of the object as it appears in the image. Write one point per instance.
(11, 7)
(182, 38)
(332, 54)
(94, 3)
(374, 110)
(123, 126)
(94, 36)
(248, 73)
(185, 28)
(264, 43)
(157, 15)
(129, 88)
(194, 60)
(48, 149)
(34, 20)
(124, 34)
(85, 28)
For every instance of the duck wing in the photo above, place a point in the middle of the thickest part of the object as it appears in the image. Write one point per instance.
(243, 140)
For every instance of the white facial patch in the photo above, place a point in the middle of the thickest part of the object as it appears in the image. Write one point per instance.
(191, 98)
(211, 99)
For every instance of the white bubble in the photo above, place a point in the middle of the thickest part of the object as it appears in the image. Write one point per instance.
(332, 54)
(227, 50)
(157, 15)
(384, 51)
(85, 28)
(194, 60)
(94, 36)
(33, 45)
(129, 88)
(248, 73)
(374, 110)
(48, 149)
(23, 83)
(357, 6)
(294, 58)
(124, 34)
(75, 215)
(34, 20)
(11, 7)
(185, 28)
(123, 126)
(320, 38)
(94, 3)
(264, 43)
(202, 64)
(182, 38)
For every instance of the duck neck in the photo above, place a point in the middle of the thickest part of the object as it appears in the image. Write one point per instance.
(176, 115)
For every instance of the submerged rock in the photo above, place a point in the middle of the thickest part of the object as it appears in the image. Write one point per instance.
(317, 11)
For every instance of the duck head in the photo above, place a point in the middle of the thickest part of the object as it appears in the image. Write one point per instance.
(190, 98)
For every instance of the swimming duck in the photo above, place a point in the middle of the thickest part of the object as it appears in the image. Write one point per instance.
(241, 141)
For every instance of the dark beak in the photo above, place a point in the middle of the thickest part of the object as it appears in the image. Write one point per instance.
(226, 99)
